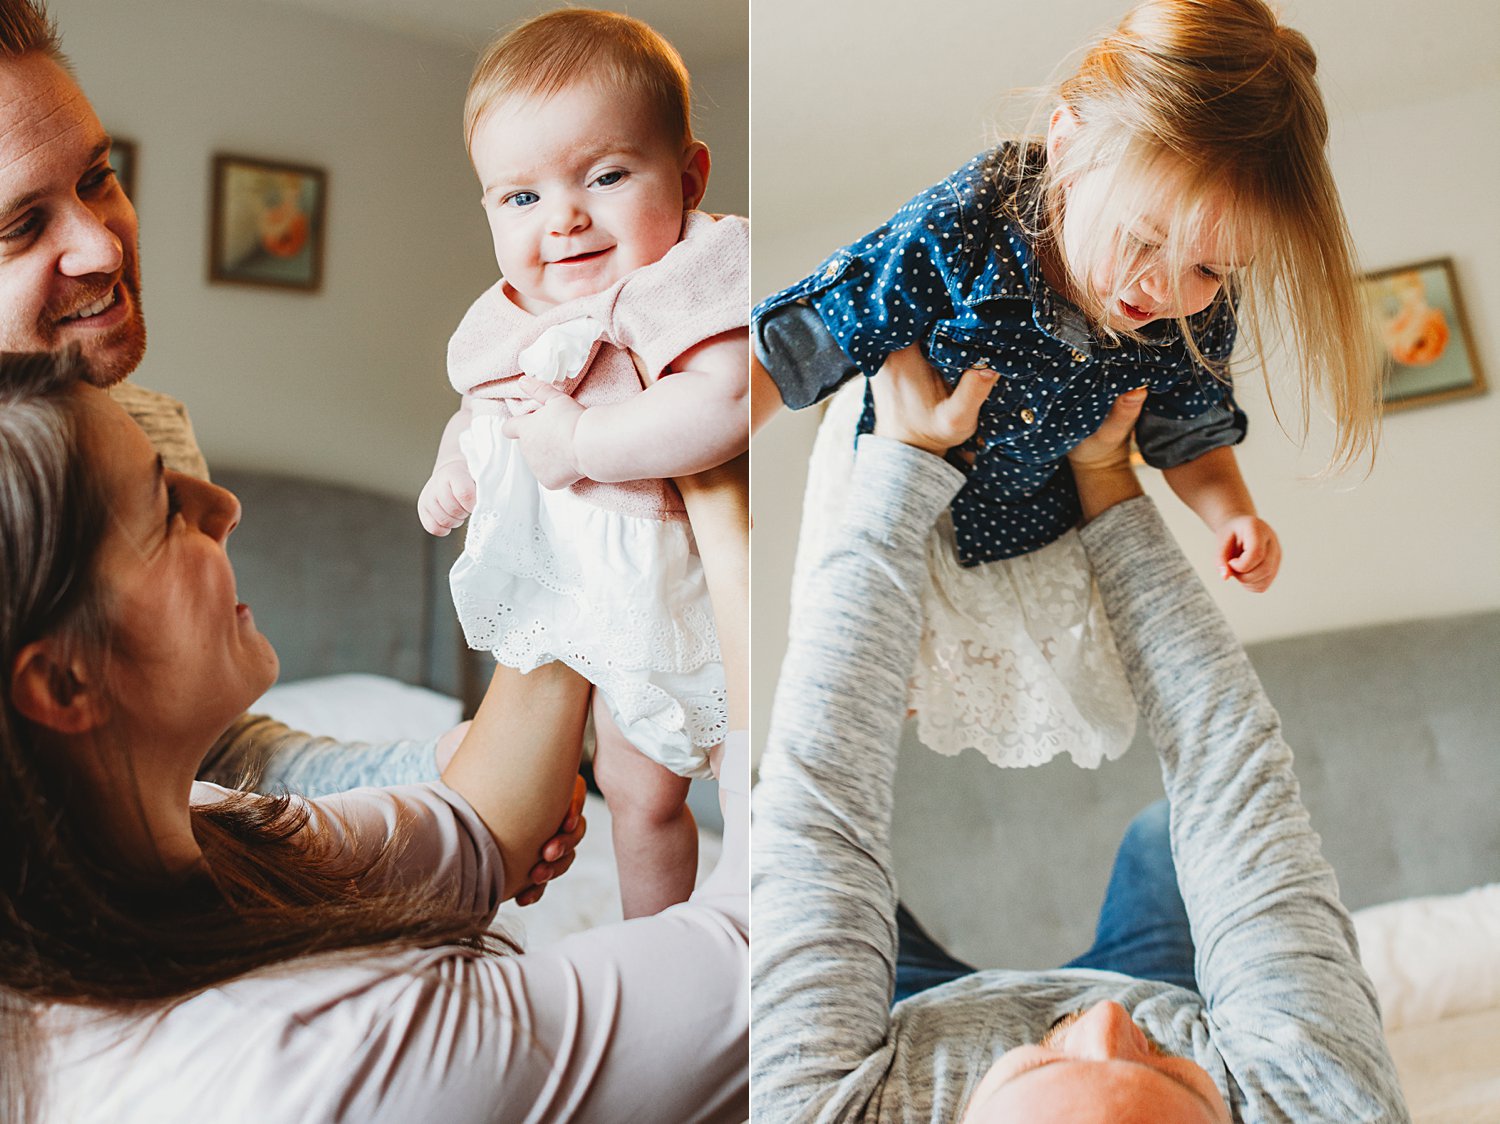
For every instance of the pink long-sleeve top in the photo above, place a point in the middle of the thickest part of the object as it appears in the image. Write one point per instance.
(641, 1020)
(697, 290)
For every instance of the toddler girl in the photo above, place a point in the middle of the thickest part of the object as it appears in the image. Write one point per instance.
(577, 123)
(1181, 197)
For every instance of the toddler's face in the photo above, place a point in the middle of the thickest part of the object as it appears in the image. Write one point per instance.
(580, 188)
(1137, 283)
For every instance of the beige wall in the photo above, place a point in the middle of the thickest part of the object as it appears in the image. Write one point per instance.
(347, 384)
(842, 138)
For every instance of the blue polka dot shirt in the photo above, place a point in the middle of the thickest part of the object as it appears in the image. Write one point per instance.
(954, 271)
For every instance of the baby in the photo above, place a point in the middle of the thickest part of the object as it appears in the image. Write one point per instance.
(579, 549)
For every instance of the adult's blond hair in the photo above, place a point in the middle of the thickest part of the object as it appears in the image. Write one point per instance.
(549, 53)
(1214, 101)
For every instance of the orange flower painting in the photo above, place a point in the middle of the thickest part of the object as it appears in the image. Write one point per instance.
(1428, 353)
(267, 223)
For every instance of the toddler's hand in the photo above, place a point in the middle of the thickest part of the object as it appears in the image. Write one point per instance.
(546, 434)
(1249, 552)
(447, 497)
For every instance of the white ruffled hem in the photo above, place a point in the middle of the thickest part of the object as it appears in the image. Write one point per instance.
(1017, 659)
(545, 576)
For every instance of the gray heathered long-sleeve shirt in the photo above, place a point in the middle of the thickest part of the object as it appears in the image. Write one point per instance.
(1287, 1025)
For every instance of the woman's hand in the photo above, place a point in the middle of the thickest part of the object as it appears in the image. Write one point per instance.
(914, 405)
(1101, 461)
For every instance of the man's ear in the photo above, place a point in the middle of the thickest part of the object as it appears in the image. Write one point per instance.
(1060, 130)
(55, 692)
(695, 164)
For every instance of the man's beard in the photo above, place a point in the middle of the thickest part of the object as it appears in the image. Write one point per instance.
(110, 359)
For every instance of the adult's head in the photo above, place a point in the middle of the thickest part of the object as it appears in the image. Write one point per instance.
(1096, 1065)
(126, 653)
(69, 258)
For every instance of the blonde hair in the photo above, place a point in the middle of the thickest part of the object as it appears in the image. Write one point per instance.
(551, 52)
(1219, 100)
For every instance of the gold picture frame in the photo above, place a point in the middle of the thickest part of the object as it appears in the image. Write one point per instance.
(1423, 334)
(267, 223)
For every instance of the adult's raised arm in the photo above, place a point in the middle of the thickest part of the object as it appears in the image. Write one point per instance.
(1293, 1012)
(516, 765)
(824, 901)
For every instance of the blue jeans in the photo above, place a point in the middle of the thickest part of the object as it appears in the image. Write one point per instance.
(1143, 927)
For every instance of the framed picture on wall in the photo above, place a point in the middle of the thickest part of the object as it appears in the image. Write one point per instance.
(267, 223)
(122, 160)
(1427, 348)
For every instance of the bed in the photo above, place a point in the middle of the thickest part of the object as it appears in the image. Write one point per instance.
(1396, 732)
(354, 596)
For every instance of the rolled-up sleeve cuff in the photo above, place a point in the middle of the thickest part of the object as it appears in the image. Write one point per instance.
(1169, 442)
(800, 354)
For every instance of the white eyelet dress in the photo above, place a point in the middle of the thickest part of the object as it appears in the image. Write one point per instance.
(604, 577)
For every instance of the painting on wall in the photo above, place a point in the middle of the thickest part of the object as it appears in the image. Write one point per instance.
(267, 223)
(122, 160)
(1427, 347)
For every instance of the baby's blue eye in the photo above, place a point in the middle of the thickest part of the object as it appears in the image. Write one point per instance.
(1210, 274)
(520, 199)
(609, 179)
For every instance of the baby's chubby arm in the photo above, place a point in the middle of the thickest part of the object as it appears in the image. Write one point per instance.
(1211, 484)
(694, 420)
(448, 496)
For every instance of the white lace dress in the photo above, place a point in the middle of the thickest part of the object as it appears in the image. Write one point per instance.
(604, 577)
(1017, 658)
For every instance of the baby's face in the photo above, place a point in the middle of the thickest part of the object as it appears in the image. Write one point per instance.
(580, 188)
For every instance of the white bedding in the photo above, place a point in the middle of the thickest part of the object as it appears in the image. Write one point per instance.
(1435, 963)
(374, 708)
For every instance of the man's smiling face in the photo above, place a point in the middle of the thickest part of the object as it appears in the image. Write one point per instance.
(69, 260)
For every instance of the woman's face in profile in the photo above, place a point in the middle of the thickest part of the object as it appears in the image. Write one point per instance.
(1096, 1065)
(185, 656)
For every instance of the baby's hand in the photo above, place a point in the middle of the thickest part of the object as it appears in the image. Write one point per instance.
(546, 434)
(1249, 552)
(447, 497)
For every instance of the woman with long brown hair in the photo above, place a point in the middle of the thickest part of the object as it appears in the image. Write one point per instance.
(173, 950)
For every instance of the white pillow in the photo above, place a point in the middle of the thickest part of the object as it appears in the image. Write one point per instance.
(1433, 958)
(360, 708)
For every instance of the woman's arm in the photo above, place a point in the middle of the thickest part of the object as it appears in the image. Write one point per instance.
(517, 763)
(718, 506)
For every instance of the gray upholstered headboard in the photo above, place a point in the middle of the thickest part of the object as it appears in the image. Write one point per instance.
(345, 580)
(1395, 730)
